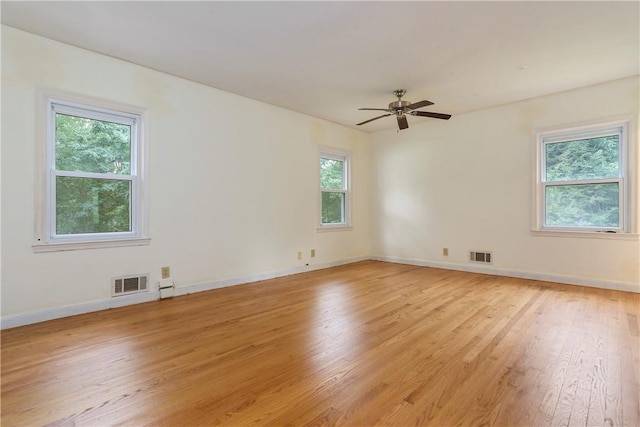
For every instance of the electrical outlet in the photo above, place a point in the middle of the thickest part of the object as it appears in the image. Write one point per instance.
(445, 251)
(166, 272)
(313, 253)
(299, 255)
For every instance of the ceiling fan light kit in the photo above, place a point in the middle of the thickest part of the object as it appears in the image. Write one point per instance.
(401, 108)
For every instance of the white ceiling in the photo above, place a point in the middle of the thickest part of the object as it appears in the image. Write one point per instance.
(327, 59)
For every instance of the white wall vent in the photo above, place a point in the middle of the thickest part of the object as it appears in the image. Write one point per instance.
(125, 285)
(477, 256)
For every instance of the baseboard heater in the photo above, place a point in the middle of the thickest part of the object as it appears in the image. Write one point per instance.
(167, 288)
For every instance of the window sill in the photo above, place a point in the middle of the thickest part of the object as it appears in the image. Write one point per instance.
(95, 244)
(585, 235)
(329, 228)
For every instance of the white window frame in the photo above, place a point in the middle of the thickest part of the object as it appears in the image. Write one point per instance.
(345, 157)
(625, 179)
(46, 239)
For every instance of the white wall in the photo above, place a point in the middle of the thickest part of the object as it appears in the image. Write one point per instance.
(466, 184)
(232, 182)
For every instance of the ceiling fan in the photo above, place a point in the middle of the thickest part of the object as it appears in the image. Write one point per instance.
(401, 108)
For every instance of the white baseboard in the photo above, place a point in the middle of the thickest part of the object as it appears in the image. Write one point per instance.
(497, 271)
(216, 284)
(16, 320)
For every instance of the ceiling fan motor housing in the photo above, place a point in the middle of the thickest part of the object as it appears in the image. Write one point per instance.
(399, 105)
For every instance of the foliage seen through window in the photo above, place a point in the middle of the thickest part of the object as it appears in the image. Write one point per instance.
(87, 204)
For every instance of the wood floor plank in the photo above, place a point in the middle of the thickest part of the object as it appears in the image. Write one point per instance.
(370, 343)
(531, 366)
(628, 351)
(473, 402)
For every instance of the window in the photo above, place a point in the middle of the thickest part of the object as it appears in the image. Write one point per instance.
(335, 199)
(93, 175)
(583, 174)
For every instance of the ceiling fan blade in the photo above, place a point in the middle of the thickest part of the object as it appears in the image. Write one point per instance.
(419, 104)
(375, 118)
(402, 122)
(432, 115)
(374, 109)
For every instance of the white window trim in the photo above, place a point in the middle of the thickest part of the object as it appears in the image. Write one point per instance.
(345, 156)
(44, 238)
(628, 179)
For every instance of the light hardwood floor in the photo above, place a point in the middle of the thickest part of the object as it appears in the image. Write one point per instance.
(365, 344)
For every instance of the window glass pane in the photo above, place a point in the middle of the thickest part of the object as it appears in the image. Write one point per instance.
(331, 174)
(583, 159)
(89, 145)
(87, 205)
(585, 205)
(332, 208)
